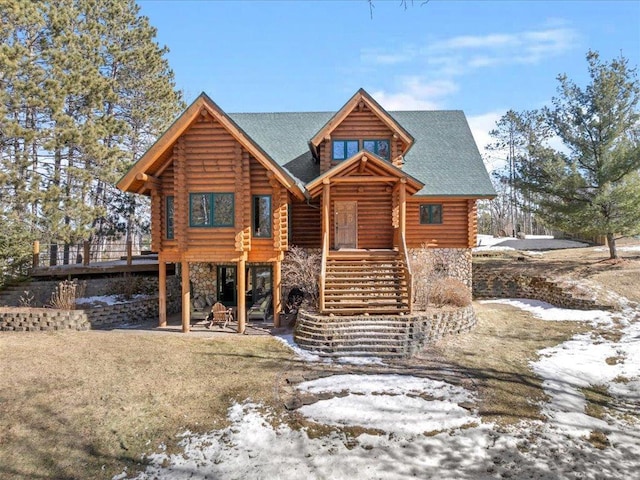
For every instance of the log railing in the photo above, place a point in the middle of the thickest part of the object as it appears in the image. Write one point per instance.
(323, 270)
(407, 270)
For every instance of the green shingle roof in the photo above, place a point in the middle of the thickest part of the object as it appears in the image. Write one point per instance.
(444, 155)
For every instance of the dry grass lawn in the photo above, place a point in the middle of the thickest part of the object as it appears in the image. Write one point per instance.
(81, 405)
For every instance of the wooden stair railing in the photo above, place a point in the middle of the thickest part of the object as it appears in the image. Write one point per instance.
(362, 282)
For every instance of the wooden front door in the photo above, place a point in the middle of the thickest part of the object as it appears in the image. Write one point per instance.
(346, 224)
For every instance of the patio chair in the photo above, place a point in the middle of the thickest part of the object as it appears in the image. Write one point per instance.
(260, 310)
(219, 314)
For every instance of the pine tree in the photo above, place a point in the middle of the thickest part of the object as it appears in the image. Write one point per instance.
(84, 88)
(592, 185)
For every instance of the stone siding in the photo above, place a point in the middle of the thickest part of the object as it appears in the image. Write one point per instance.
(19, 319)
(445, 262)
(379, 335)
(491, 282)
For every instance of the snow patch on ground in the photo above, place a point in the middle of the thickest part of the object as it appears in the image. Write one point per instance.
(107, 299)
(258, 446)
(548, 312)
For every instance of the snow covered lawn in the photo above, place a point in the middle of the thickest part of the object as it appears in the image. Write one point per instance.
(416, 427)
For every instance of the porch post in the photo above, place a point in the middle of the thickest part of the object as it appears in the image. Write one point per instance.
(403, 208)
(186, 297)
(242, 287)
(277, 293)
(162, 292)
(326, 209)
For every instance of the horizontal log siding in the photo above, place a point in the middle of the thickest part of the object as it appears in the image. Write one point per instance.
(307, 225)
(452, 233)
(210, 158)
(375, 229)
(358, 125)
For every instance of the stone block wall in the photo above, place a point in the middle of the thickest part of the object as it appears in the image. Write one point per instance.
(379, 335)
(19, 319)
(491, 282)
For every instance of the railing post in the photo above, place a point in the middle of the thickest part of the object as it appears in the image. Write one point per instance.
(87, 251)
(36, 254)
(129, 247)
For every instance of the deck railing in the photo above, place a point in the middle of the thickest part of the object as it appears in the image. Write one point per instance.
(407, 270)
(83, 253)
(323, 270)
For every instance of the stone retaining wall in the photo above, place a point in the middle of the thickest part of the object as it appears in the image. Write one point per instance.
(136, 284)
(490, 282)
(379, 335)
(20, 319)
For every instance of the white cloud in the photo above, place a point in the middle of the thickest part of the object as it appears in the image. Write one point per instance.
(416, 94)
(480, 126)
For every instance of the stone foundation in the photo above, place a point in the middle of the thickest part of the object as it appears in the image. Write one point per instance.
(380, 335)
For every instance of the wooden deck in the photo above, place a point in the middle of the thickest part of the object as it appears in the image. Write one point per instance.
(144, 264)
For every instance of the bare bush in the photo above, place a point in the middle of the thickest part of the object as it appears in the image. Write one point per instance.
(26, 299)
(301, 269)
(450, 291)
(65, 295)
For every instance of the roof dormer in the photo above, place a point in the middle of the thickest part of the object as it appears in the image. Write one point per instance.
(361, 124)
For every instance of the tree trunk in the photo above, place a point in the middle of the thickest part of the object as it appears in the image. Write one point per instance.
(611, 241)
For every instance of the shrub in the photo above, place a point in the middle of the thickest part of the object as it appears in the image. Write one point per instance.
(449, 291)
(65, 294)
(301, 269)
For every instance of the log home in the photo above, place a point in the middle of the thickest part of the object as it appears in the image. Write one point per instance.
(374, 191)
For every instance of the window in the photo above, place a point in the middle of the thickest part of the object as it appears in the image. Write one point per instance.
(262, 216)
(169, 218)
(211, 210)
(343, 149)
(430, 213)
(379, 147)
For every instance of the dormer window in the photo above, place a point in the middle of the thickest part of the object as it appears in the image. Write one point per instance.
(343, 149)
(379, 147)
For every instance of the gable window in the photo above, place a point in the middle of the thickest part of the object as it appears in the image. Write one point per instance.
(343, 149)
(169, 218)
(262, 216)
(211, 210)
(379, 147)
(430, 213)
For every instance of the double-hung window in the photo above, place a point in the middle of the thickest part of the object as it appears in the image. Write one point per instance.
(262, 216)
(343, 149)
(211, 209)
(379, 147)
(169, 218)
(430, 213)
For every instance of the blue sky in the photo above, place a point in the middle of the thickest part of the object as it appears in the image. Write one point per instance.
(483, 57)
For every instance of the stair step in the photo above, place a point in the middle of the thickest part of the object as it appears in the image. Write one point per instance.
(371, 311)
(363, 291)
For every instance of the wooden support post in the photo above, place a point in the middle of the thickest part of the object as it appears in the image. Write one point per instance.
(86, 252)
(277, 293)
(326, 208)
(242, 288)
(186, 297)
(36, 254)
(162, 292)
(402, 213)
(129, 256)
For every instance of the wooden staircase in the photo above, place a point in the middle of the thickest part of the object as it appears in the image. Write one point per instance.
(366, 282)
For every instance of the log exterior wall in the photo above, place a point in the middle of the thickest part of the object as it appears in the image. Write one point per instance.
(375, 228)
(208, 159)
(456, 231)
(361, 124)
